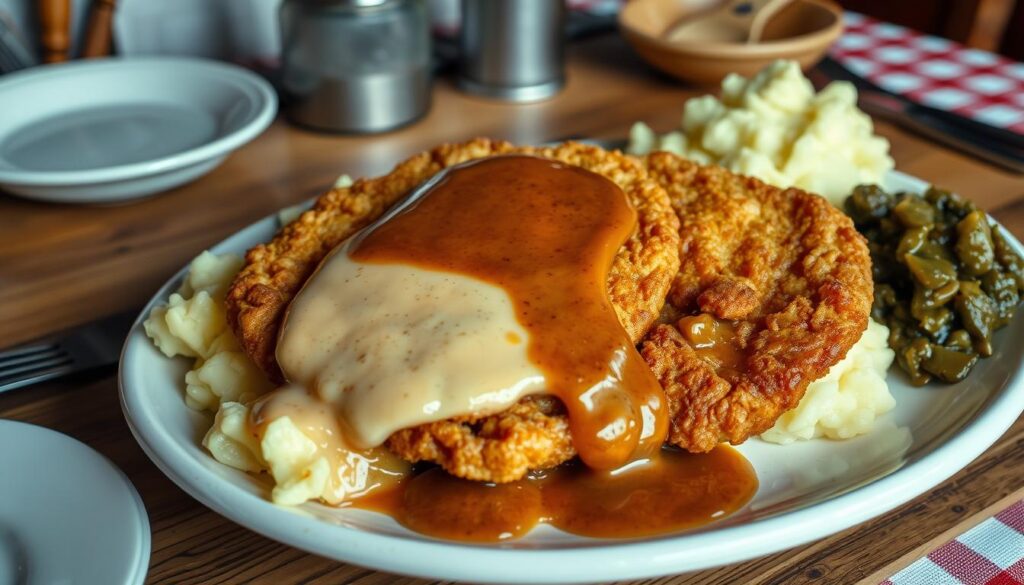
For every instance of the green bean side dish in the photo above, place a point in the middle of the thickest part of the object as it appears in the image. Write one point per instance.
(945, 278)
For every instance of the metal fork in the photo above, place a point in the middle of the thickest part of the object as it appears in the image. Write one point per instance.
(87, 347)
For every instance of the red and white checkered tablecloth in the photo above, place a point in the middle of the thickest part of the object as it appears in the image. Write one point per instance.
(991, 553)
(933, 71)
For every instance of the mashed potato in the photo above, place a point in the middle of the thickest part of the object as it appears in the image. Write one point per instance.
(225, 381)
(194, 324)
(776, 128)
(299, 470)
(846, 402)
(228, 376)
(231, 442)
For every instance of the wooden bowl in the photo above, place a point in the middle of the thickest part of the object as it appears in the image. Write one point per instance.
(801, 31)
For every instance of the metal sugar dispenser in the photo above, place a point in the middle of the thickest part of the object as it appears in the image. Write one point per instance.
(358, 66)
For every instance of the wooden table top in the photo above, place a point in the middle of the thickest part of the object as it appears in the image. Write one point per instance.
(61, 266)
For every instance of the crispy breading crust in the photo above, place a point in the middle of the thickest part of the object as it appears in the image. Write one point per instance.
(788, 269)
(533, 434)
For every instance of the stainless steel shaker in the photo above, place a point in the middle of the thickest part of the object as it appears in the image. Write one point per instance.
(355, 65)
(512, 49)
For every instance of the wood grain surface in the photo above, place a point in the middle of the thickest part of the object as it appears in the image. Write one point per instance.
(62, 265)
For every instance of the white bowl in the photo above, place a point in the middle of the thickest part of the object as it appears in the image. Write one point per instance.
(807, 490)
(108, 130)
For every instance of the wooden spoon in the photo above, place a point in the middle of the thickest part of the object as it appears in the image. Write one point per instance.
(734, 21)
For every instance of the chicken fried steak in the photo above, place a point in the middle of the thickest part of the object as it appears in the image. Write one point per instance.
(500, 446)
(773, 289)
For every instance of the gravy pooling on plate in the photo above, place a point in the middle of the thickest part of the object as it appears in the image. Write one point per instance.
(672, 491)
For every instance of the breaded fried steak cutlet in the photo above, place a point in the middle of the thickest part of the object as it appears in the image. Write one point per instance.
(532, 434)
(773, 289)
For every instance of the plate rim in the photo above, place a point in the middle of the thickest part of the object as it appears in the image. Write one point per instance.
(257, 89)
(597, 561)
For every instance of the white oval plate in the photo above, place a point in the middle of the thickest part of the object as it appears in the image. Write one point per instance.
(807, 490)
(107, 130)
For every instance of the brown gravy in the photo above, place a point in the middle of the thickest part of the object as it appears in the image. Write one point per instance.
(714, 341)
(546, 233)
(670, 492)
